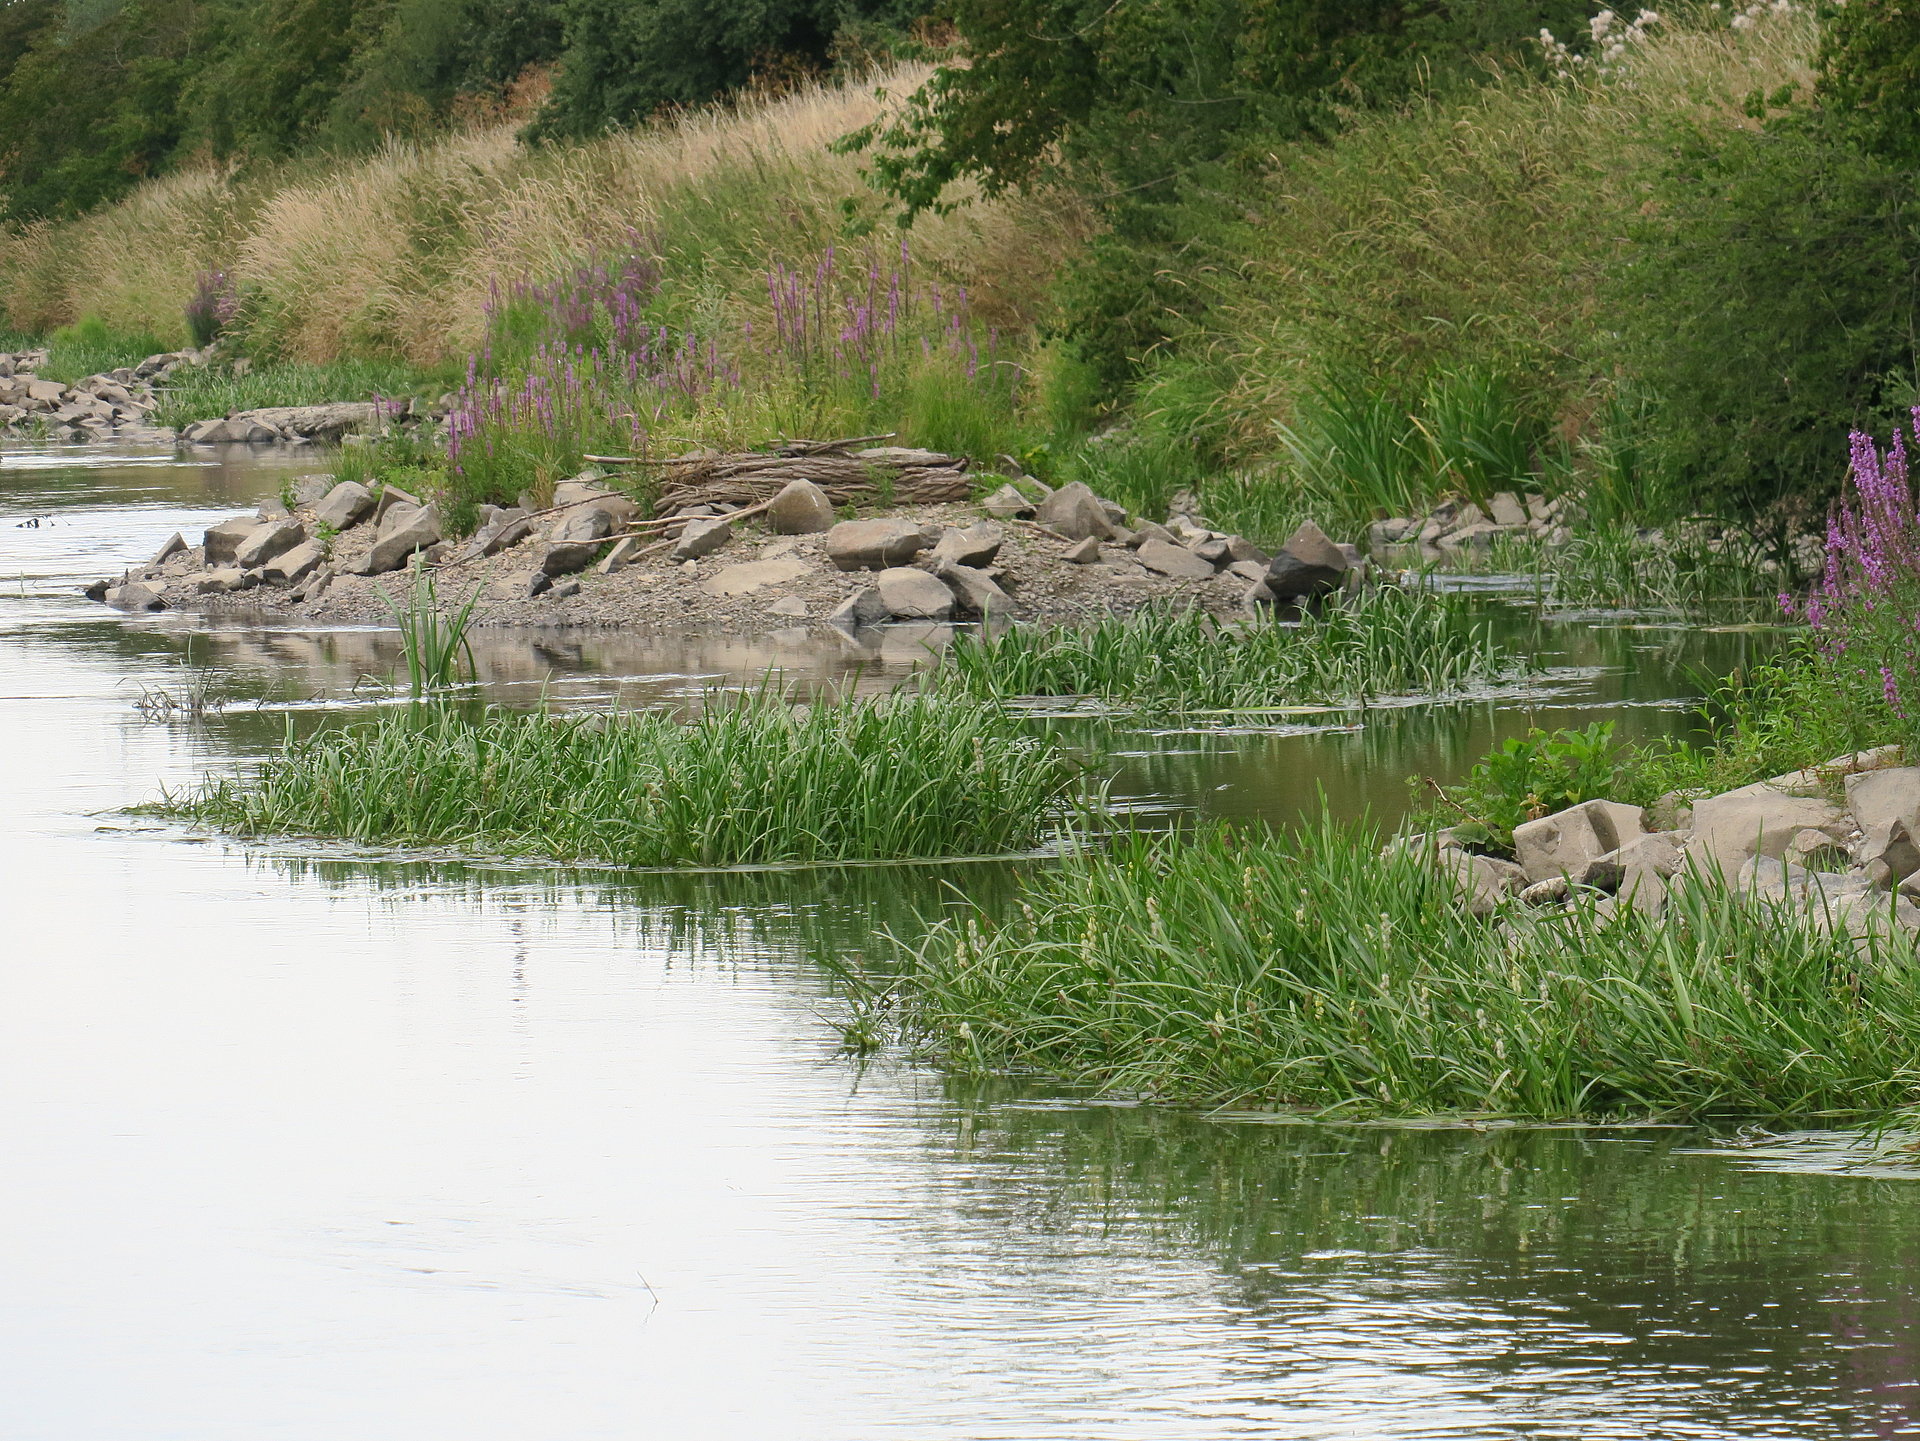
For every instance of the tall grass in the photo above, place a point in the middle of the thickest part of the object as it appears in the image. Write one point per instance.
(433, 640)
(1386, 641)
(201, 392)
(751, 781)
(1616, 567)
(1308, 970)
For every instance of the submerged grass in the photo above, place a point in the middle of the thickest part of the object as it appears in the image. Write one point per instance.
(751, 781)
(1387, 641)
(1311, 971)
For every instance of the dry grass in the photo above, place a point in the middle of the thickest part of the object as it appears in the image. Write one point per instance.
(397, 252)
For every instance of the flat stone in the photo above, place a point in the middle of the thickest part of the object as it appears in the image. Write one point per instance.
(389, 497)
(1241, 551)
(874, 544)
(1213, 552)
(977, 546)
(1083, 552)
(291, 567)
(1882, 797)
(1147, 530)
(520, 585)
(1075, 512)
(345, 506)
(564, 557)
(702, 537)
(1506, 509)
(135, 595)
(583, 522)
(620, 555)
(911, 594)
(753, 575)
(564, 590)
(1174, 561)
(800, 508)
(266, 541)
(789, 605)
(219, 582)
(1888, 854)
(975, 590)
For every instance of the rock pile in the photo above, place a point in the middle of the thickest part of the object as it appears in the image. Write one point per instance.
(1462, 525)
(291, 424)
(115, 402)
(1852, 863)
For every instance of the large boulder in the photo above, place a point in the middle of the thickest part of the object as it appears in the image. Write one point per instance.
(1174, 561)
(176, 545)
(911, 594)
(976, 546)
(292, 566)
(874, 544)
(861, 609)
(975, 590)
(801, 508)
(1308, 565)
(1075, 512)
(403, 532)
(1756, 820)
(1575, 841)
(1484, 881)
(345, 506)
(1883, 797)
(274, 537)
(1887, 854)
(223, 541)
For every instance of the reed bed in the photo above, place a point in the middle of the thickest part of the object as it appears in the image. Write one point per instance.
(1390, 640)
(1309, 971)
(753, 780)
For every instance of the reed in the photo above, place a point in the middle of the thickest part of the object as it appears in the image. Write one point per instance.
(1310, 971)
(753, 780)
(1390, 640)
(433, 639)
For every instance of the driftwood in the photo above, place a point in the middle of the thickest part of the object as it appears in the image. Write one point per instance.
(885, 474)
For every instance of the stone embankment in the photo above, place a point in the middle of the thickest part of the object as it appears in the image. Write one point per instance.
(1460, 525)
(1023, 552)
(114, 403)
(1840, 841)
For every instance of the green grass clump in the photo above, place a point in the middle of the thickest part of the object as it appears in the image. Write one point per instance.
(90, 347)
(203, 392)
(1613, 567)
(1306, 970)
(752, 781)
(1387, 641)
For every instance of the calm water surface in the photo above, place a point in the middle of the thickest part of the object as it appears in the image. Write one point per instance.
(303, 1145)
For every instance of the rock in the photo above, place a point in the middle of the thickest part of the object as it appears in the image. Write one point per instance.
(1506, 509)
(1007, 503)
(1250, 570)
(801, 508)
(789, 605)
(580, 489)
(912, 594)
(1174, 561)
(564, 557)
(583, 522)
(874, 544)
(1147, 531)
(1308, 565)
(273, 510)
(273, 538)
(1396, 531)
(310, 490)
(1881, 797)
(389, 497)
(1550, 892)
(134, 595)
(1816, 850)
(176, 544)
(520, 585)
(976, 546)
(1671, 812)
(1483, 881)
(96, 591)
(1470, 537)
(1257, 599)
(292, 566)
(1644, 890)
(402, 534)
(564, 590)
(344, 507)
(219, 582)
(506, 529)
(1755, 820)
(1571, 841)
(746, 578)
(1887, 854)
(975, 590)
(621, 555)
(702, 537)
(223, 541)
(1241, 551)
(1082, 552)
(1213, 552)
(863, 608)
(1075, 512)
(315, 587)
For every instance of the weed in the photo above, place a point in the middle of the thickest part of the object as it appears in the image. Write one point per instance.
(433, 641)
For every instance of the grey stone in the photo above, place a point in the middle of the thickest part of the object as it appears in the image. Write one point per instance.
(702, 537)
(1075, 512)
(1147, 531)
(310, 490)
(1817, 850)
(1241, 551)
(975, 590)
(1484, 882)
(1550, 892)
(219, 582)
(1887, 854)
(1174, 561)
(1569, 842)
(801, 508)
(1308, 565)
(564, 590)
(1396, 531)
(389, 497)
(789, 605)
(863, 608)
(1082, 552)
(1249, 570)
(750, 576)
(1213, 552)
(504, 530)
(564, 557)
(874, 544)
(1257, 599)
(345, 506)
(135, 595)
(176, 545)
(976, 546)
(520, 585)
(590, 521)
(291, 567)
(273, 510)
(1881, 797)
(1007, 503)
(911, 594)
(402, 534)
(275, 537)
(1506, 509)
(1755, 820)
(223, 541)
(620, 555)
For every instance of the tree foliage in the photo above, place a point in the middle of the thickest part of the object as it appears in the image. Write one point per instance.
(1870, 73)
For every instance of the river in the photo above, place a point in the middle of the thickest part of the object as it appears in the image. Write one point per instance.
(302, 1144)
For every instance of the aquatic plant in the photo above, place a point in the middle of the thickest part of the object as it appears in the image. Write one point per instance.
(752, 780)
(433, 641)
(1618, 567)
(1309, 970)
(1390, 640)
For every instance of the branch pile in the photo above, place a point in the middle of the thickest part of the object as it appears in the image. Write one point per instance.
(885, 474)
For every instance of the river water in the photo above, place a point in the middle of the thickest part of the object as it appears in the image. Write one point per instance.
(303, 1144)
